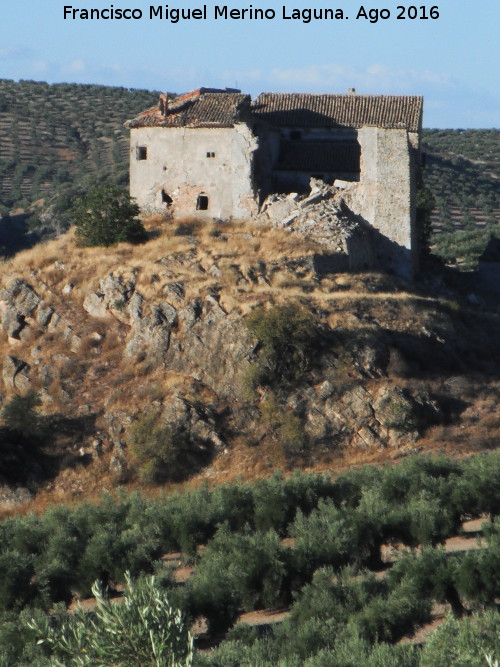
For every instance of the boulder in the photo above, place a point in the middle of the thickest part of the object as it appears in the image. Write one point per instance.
(150, 335)
(112, 297)
(13, 322)
(196, 420)
(135, 307)
(44, 314)
(21, 296)
(95, 305)
(117, 423)
(15, 373)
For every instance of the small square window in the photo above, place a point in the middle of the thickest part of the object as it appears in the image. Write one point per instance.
(210, 154)
(141, 153)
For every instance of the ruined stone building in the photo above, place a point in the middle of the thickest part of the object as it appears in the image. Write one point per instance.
(218, 154)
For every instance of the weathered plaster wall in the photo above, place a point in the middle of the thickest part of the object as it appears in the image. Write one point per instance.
(239, 175)
(177, 163)
(386, 193)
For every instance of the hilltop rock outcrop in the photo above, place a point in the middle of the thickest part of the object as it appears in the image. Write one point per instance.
(159, 336)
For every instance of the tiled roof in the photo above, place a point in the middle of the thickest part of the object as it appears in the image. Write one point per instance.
(312, 156)
(209, 107)
(301, 110)
(197, 109)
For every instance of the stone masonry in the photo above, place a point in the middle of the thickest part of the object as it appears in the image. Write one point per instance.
(216, 154)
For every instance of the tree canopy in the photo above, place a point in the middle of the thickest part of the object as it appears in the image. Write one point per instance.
(107, 215)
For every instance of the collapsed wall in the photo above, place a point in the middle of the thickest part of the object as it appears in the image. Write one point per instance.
(324, 217)
(367, 224)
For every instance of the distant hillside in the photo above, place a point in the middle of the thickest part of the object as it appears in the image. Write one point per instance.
(54, 135)
(463, 172)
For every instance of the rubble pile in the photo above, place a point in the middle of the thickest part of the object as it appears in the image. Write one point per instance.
(323, 215)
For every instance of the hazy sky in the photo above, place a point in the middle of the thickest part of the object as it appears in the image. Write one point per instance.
(453, 60)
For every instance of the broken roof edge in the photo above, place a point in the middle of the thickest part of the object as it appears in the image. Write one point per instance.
(216, 107)
(203, 107)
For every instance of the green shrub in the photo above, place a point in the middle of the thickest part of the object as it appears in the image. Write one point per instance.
(481, 481)
(20, 415)
(18, 641)
(287, 425)
(432, 574)
(161, 454)
(364, 604)
(292, 435)
(237, 570)
(352, 650)
(107, 215)
(287, 335)
(478, 576)
(17, 585)
(328, 536)
(400, 416)
(21, 438)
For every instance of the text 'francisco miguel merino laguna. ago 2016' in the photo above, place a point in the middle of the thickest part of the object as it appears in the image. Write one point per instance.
(225, 13)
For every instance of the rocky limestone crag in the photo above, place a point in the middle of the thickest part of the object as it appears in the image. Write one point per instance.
(161, 330)
(199, 340)
(212, 344)
(22, 311)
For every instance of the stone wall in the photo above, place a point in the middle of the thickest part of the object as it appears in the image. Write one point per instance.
(232, 171)
(183, 164)
(385, 196)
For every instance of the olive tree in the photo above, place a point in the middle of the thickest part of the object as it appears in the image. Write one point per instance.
(107, 215)
(142, 629)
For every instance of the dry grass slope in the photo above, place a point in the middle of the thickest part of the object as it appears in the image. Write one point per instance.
(244, 265)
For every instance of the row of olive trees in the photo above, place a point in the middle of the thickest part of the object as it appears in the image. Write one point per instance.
(338, 522)
(341, 618)
(245, 565)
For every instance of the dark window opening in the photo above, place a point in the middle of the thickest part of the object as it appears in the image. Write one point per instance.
(210, 154)
(202, 203)
(295, 135)
(166, 199)
(141, 153)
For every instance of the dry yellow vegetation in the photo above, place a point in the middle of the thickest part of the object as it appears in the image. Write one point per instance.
(245, 265)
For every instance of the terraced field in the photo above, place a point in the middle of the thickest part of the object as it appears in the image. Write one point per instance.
(52, 135)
